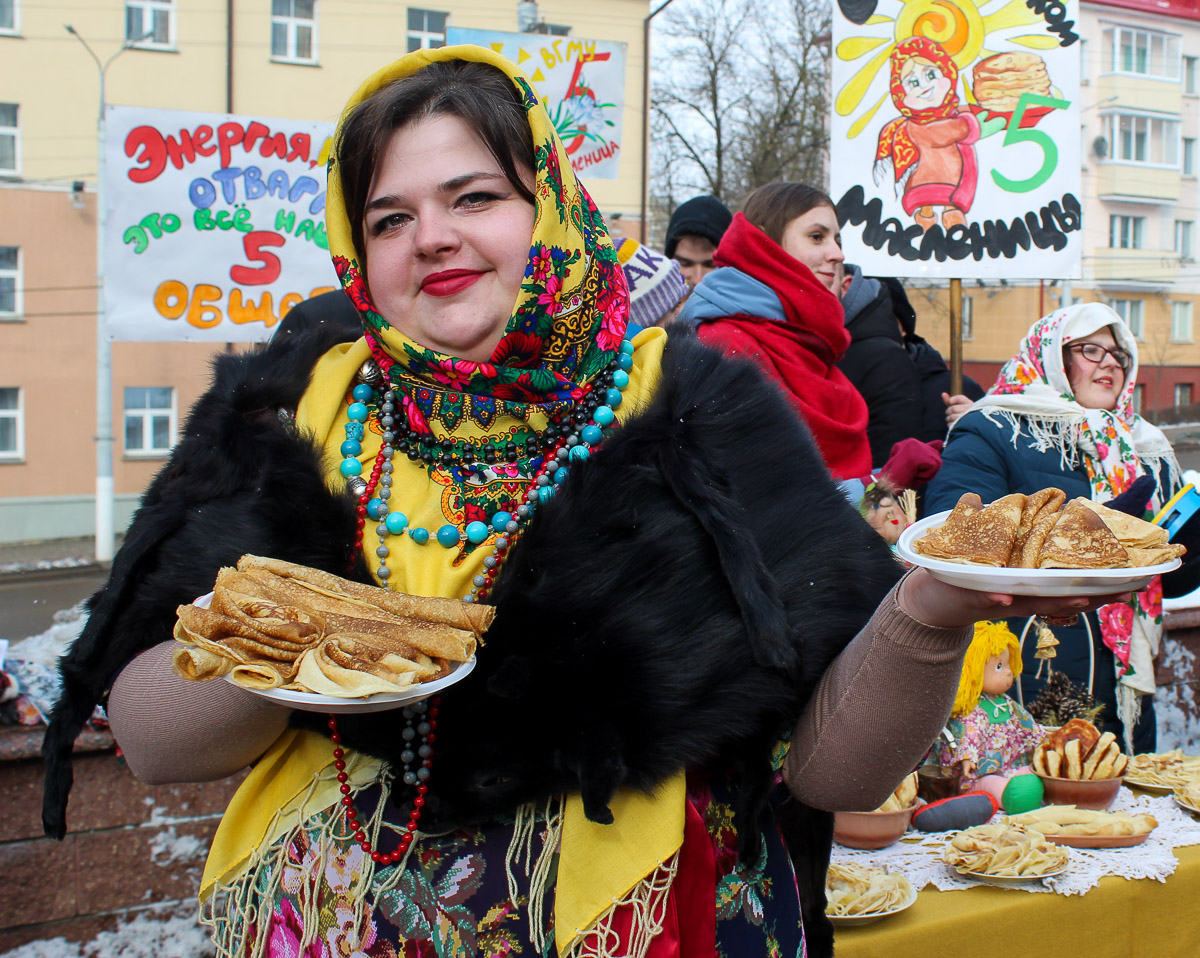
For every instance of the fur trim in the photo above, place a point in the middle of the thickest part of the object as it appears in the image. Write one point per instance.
(238, 481)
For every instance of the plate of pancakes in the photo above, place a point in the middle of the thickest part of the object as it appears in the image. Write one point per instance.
(1040, 544)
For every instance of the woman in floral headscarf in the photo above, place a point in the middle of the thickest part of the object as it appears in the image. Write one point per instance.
(1061, 414)
(929, 149)
(674, 574)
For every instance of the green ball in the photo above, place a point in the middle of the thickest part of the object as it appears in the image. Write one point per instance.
(1023, 793)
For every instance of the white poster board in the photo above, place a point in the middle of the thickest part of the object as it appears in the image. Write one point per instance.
(580, 82)
(954, 142)
(215, 223)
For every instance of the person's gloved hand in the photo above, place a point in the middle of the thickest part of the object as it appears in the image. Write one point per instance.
(912, 463)
(1134, 500)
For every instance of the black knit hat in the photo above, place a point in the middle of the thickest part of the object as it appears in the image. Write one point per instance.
(703, 216)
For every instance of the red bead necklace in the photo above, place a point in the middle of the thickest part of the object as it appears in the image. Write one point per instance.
(414, 818)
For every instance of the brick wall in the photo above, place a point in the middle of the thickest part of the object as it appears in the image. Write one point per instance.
(129, 846)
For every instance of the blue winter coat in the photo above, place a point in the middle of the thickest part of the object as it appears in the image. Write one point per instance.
(980, 457)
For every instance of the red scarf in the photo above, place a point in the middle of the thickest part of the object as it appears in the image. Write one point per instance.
(800, 353)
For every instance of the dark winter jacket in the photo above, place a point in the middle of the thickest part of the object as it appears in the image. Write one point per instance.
(880, 368)
(671, 607)
(980, 457)
(935, 380)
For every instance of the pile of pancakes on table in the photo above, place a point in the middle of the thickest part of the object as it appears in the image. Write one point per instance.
(276, 625)
(1045, 531)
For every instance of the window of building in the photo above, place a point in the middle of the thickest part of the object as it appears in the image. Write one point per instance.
(1125, 232)
(1143, 52)
(10, 16)
(1183, 238)
(1183, 394)
(10, 140)
(150, 23)
(968, 317)
(1189, 156)
(10, 281)
(1142, 139)
(294, 30)
(12, 424)
(1131, 310)
(426, 29)
(1191, 79)
(149, 420)
(1139, 397)
(1181, 322)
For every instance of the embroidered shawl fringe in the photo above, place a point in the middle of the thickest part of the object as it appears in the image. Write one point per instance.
(648, 902)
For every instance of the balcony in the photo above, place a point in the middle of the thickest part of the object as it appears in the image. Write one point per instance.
(1141, 268)
(1136, 182)
(1130, 92)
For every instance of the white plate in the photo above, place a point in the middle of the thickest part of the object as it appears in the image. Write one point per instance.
(843, 921)
(1010, 881)
(380, 702)
(1182, 804)
(984, 578)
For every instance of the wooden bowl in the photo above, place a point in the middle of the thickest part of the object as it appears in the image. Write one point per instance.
(1095, 793)
(872, 829)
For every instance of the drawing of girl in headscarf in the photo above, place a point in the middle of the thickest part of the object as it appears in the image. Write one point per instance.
(929, 148)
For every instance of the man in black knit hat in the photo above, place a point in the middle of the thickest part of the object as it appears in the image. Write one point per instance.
(695, 229)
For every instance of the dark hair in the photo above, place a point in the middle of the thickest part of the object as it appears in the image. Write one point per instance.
(773, 206)
(479, 94)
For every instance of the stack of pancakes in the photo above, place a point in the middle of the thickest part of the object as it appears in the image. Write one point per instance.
(1001, 80)
(274, 624)
(1044, 531)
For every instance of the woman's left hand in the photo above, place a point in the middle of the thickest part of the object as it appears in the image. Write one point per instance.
(939, 604)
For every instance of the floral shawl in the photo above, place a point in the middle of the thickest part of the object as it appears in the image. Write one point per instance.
(1033, 392)
(570, 315)
(894, 141)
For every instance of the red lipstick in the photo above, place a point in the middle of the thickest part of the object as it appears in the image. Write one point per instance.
(449, 281)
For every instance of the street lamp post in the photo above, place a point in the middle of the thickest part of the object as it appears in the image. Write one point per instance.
(104, 415)
(646, 115)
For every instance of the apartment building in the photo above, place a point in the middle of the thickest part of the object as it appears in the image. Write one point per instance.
(1140, 123)
(297, 59)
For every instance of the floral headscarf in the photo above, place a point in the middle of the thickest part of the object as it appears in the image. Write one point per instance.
(894, 140)
(1033, 392)
(568, 320)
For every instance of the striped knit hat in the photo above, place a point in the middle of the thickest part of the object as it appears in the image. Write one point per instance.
(655, 283)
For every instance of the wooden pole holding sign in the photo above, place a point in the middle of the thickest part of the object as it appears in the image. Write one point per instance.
(956, 360)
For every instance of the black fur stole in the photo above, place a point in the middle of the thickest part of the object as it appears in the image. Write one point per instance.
(238, 481)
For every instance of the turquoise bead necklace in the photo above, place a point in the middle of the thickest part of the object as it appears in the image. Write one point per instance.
(569, 438)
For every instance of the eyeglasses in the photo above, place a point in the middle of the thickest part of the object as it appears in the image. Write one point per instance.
(1095, 353)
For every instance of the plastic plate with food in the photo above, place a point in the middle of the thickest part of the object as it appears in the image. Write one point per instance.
(860, 894)
(379, 702)
(1012, 881)
(983, 578)
(1154, 788)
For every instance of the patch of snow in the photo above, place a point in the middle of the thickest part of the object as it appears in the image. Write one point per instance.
(169, 847)
(39, 565)
(148, 934)
(1175, 705)
(46, 648)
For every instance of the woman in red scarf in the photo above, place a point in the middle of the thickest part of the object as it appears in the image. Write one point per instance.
(775, 299)
(930, 146)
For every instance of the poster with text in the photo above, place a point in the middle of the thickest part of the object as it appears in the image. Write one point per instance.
(955, 144)
(581, 84)
(216, 223)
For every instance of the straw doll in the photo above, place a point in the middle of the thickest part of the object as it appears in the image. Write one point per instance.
(994, 734)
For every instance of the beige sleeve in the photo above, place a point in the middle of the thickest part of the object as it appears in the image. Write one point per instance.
(172, 730)
(876, 710)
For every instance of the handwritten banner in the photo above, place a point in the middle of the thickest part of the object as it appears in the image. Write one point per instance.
(581, 84)
(216, 223)
(955, 137)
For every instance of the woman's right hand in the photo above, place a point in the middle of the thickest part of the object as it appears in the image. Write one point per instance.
(955, 407)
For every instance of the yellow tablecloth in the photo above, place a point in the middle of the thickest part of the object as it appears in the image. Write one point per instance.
(1118, 918)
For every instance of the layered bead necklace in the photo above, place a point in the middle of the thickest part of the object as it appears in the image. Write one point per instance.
(568, 438)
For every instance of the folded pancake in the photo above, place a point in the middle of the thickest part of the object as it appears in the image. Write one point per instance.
(1028, 552)
(1081, 540)
(469, 617)
(242, 598)
(1043, 501)
(982, 537)
(1139, 558)
(1129, 530)
(199, 665)
(225, 635)
(349, 667)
